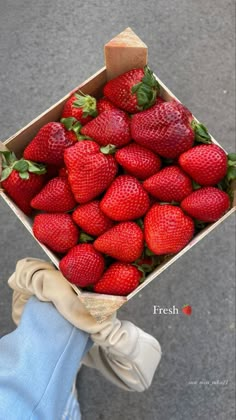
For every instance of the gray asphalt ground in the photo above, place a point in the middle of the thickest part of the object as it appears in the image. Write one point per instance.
(46, 49)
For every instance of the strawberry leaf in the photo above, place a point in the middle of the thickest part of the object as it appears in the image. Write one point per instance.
(147, 90)
(231, 173)
(232, 157)
(68, 122)
(24, 175)
(201, 133)
(110, 149)
(148, 252)
(5, 173)
(84, 238)
(8, 156)
(140, 223)
(36, 168)
(21, 165)
(87, 103)
(195, 185)
(231, 163)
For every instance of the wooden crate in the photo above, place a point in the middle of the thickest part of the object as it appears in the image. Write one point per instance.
(122, 53)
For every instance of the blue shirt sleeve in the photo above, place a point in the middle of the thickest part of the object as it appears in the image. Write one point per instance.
(38, 364)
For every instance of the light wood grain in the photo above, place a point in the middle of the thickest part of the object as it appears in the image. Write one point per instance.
(124, 52)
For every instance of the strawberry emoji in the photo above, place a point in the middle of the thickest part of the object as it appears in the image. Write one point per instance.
(119, 279)
(91, 219)
(56, 230)
(206, 164)
(124, 242)
(110, 127)
(21, 179)
(80, 106)
(167, 229)
(104, 104)
(90, 172)
(167, 128)
(49, 144)
(170, 184)
(138, 161)
(83, 265)
(133, 91)
(207, 204)
(125, 199)
(55, 197)
(187, 309)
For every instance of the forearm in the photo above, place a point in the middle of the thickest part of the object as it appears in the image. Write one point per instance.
(38, 363)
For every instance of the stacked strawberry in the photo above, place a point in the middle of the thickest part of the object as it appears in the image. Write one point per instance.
(127, 183)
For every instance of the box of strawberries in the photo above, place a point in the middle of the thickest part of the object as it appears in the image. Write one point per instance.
(117, 180)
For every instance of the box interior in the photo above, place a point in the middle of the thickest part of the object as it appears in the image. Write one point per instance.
(18, 142)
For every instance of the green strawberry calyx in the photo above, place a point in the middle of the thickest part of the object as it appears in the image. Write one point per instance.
(147, 90)
(84, 238)
(201, 133)
(231, 172)
(24, 167)
(226, 183)
(87, 103)
(72, 124)
(110, 149)
(142, 271)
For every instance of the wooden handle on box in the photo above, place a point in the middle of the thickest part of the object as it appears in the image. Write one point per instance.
(124, 52)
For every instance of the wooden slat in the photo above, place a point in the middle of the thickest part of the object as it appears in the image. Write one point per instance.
(124, 52)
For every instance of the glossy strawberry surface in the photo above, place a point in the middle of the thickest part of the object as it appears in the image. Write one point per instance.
(83, 265)
(90, 172)
(119, 279)
(206, 164)
(170, 184)
(167, 229)
(125, 199)
(123, 242)
(207, 204)
(164, 128)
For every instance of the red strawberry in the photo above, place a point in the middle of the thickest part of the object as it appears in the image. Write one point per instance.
(110, 127)
(125, 200)
(56, 230)
(206, 164)
(63, 172)
(49, 144)
(133, 91)
(138, 161)
(55, 197)
(91, 219)
(83, 265)
(166, 129)
(167, 229)
(52, 172)
(21, 180)
(81, 107)
(207, 204)
(104, 104)
(119, 279)
(187, 309)
(170, 184)
(123, 242)
(90, 171)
